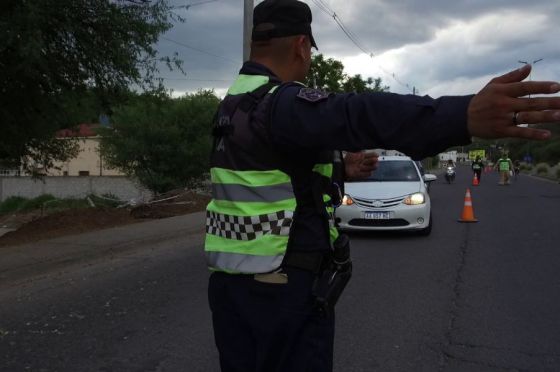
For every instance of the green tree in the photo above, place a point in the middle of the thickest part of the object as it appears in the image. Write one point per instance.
(328, 74)
(357, 84)
(162, 142)
(54, 51)
(541, 152)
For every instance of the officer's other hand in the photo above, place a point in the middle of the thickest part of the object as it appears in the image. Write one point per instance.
(491, 112)
(359, 165)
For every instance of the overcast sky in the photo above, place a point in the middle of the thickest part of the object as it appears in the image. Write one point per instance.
(440, 47)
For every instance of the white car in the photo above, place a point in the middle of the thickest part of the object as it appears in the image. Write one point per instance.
(394, 197)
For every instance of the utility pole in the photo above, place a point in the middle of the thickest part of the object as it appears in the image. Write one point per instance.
(247, 27)
(532, 64)
(530, 73)
(527, 156)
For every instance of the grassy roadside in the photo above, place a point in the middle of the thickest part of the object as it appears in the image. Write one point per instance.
(542, 170)
(48, 204)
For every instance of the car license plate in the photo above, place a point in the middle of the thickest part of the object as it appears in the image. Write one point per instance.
(377, 215)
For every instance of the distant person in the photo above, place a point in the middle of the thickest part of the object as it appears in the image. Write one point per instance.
(477, 167)
(516, 168)
(505, 167)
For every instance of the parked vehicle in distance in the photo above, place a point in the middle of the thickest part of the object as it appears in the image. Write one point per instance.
(394, 197)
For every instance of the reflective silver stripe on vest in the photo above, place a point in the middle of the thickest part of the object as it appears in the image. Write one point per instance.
(243, 263)
(249, 227)
(241, 193)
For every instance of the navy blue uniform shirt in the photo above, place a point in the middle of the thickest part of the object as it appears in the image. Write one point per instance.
(304, 122)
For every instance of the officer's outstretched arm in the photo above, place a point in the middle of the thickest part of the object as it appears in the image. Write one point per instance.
(304, 119)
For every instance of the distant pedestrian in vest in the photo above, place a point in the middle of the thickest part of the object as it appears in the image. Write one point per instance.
(477, 167)
(278, 263)
(505, 167)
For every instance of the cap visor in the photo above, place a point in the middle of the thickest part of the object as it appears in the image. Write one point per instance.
(313, 43)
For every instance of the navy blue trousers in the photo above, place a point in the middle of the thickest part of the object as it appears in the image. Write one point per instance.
(263, 327)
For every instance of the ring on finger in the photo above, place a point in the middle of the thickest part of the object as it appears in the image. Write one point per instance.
(514, 118)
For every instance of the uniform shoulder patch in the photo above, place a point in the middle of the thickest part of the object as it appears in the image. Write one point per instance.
(312, 95)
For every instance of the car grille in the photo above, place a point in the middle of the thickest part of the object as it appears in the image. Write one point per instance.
(375, 223)
(377, 203)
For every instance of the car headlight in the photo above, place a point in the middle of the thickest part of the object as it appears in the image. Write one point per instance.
(347, 200)
(415, 199)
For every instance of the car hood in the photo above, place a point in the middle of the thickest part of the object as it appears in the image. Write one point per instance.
(381, 190)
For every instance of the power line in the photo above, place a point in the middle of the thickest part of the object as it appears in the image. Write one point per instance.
(348, 33)
(351, 35)
(188, 6)
(200, 50)
(323, 6)
(194, 79)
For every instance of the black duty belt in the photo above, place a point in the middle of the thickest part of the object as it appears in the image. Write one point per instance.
(314, 261)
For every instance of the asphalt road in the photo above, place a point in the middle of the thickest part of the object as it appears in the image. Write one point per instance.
(470, 297)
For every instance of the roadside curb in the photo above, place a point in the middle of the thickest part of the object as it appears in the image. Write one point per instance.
(5, 230)
(556, 182)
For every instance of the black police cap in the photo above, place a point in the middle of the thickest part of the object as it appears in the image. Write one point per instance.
(279, 18)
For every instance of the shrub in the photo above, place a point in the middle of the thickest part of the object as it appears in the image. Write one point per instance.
(105, 200)
(11, 204)
(36, 203)
(55, 205)
(50, 204)
(108, 195)
(542, 169)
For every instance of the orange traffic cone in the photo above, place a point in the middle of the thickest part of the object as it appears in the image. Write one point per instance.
(475, 180)
(468, 214)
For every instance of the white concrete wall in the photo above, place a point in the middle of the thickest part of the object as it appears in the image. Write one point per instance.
(69, 187)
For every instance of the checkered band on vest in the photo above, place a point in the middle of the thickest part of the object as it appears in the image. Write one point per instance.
(248, 227)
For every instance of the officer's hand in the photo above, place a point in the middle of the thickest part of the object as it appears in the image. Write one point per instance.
(359, 165)
(491, 112)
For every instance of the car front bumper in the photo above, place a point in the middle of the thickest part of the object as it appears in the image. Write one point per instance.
(402, 217)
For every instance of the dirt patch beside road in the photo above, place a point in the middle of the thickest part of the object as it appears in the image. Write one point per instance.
(31, 226)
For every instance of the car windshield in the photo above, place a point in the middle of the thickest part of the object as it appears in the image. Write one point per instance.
(393, 171)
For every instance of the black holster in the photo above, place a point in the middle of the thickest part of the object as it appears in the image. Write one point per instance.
(331, 282)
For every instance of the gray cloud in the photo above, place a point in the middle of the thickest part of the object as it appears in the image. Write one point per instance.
(439, 46)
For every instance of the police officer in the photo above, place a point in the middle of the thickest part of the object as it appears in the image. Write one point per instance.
(269, 231)
(477, 167)
(505, 167)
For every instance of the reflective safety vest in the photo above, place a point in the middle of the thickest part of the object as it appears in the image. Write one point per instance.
(503, 165)
(249, 218)
(326, 170)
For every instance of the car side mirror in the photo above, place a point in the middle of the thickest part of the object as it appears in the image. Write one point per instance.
(429, 177)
